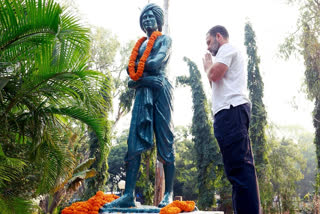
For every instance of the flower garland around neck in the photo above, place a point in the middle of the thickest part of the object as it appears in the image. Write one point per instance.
(134, 54)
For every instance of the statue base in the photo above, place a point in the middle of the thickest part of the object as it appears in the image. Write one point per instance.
(138, 209)
(150, 209)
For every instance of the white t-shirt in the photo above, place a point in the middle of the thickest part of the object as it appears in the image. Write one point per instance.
(232, 88)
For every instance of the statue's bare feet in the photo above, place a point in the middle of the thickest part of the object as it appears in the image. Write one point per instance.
(127, 200)
(167, 199)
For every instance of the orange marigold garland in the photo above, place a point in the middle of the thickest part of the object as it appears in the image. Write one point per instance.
(91, 206)
(177, 207)
(134, 54)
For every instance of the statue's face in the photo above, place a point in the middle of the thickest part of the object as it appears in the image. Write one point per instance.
(149, 21)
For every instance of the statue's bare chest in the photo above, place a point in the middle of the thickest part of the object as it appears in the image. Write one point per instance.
(155, 48)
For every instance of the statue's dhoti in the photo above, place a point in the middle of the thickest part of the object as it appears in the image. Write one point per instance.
(151, 115)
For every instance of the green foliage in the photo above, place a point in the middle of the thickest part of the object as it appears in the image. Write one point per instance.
(83, 166)
(316, 124)
(146, 181)
(311, 55)
(287, 163)
(185, 160)
(15, 205)
(64, 190)
(45, 85)
(208, 159)
(258, 118)
(103, 50)
(97, 183)
(120, 83)
(307, 148)
(224, 188)
(116, 161)
(306, 42)
(311, 47)
(10, 168)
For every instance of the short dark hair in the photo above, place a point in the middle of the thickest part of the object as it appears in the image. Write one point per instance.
(219, 29)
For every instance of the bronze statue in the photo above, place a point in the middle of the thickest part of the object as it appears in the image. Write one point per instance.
(151, 114)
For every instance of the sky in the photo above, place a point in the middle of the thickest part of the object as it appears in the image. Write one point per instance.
(272, 21)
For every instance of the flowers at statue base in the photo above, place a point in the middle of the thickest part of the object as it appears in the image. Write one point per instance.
(90, 206)
(177, 207)
(134, 54)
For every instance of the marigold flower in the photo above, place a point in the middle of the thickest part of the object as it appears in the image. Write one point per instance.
(90, 206)
(177, 207)
(134, 54)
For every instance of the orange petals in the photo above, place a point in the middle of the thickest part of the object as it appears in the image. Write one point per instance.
(134, 54)
(91, 206)
(177, 207)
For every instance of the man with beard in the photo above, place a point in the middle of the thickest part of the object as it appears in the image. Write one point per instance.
(231, 109)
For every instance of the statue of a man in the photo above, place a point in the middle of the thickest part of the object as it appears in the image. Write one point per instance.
(151, 114)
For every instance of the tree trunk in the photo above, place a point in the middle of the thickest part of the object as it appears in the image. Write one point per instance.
(159, 178)
(316, 124)
(159, 183)
(166, 13)
(57, 198)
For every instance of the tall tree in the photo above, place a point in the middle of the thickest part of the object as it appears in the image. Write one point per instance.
(311, 54)
(103, 51)
(305, 41)
(208, 158)
(258, 117)
(45, 84)
(287, 164)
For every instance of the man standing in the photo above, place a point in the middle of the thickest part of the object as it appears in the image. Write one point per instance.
(231, 110)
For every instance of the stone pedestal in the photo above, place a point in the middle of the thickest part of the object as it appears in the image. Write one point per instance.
(138, 209)
(149, 209)
(208, 212)
(135, 210)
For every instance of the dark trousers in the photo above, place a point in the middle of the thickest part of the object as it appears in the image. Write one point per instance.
(231, 130)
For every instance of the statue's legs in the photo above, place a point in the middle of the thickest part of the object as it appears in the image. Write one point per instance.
(127, 200)
(169, 171)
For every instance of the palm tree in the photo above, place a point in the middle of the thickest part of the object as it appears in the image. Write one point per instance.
(44, 85)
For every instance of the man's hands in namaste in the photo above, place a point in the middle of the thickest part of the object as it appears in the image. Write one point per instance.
(207, 62)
